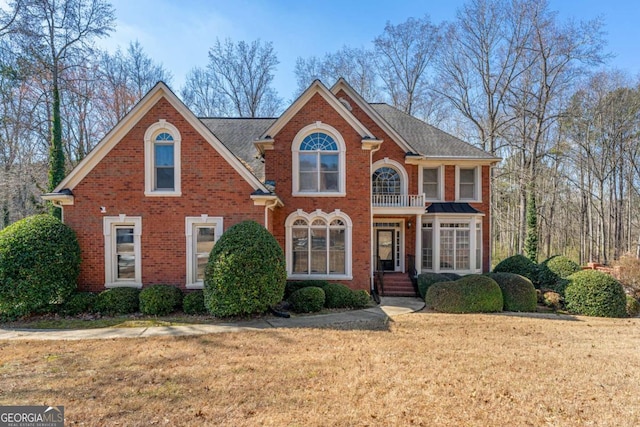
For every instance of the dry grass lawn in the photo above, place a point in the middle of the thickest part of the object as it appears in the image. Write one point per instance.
(425, 369)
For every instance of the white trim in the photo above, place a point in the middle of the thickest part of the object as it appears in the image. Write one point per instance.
(159, 91)
(399, 249)
(404, 177)
(190, 222)
(328, 218)
(315, 87)
(108, 225)
(149, 165)
(295, 163)
(440, 169)
(478, 184)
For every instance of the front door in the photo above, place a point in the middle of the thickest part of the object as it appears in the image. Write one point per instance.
(385, 249)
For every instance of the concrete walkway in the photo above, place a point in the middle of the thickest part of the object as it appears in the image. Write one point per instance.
(388, 308)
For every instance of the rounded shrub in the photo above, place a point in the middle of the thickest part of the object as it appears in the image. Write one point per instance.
(78, 303)
(519, 264)
(307, 300)
(360, 298)
(553, 273)
(159, 300)
(118, 301)
(337, 295)
(193, 303)
(293, 285)
(452, 276)
(593, 293)
(246, 272)
(427, 279)
(518, 292)
(471, 294)
(633, 306)
(39, 265)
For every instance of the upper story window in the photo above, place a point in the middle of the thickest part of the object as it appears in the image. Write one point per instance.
(318, 162)
(386, 181)
(468, 184)
(432, 183)
(162, 160)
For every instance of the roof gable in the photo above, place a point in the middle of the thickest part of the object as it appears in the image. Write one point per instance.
(115, 135)
(316, 88)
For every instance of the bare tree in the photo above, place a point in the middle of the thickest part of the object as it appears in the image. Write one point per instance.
(200, 94)
(404, 53)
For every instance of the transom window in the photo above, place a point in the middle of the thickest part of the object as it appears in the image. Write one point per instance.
(386, 181)
(319, 163)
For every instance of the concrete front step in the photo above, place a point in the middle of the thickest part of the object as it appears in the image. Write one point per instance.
(398, 284)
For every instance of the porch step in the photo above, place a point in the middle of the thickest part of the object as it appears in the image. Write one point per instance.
(398, 284)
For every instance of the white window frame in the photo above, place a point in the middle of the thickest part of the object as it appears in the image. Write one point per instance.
(109, 224)
(478, 184)
(397, 166)
(472, 222)
(295, 166)
(440, 172)
(328, 218)
(191, 223)
(149, 159)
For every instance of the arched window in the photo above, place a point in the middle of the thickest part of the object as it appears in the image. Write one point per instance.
(386, 181)
(318, 161)
(318, 244)
(162, 160)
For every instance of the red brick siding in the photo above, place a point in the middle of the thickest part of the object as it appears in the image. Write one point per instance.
(356, 204)
(209, 186)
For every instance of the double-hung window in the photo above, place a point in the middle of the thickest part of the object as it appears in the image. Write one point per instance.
(162, 160)
(431, 183)
(468, 180)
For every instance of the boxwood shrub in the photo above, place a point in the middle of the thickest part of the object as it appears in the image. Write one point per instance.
(519, 264)
(39, 265)
(78, 303)
(193, 303)
(245, 273)
(307, 300)
(593, 293)
(360, 298)
(293, 285)
(118, 301)
(337, 295)
(553, 273)
(471, 294)
(518, 292)
(160, 300)
(427, 279)
(633, 306)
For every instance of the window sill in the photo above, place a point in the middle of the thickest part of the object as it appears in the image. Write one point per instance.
(197, 285)
(319, 277)
(163, 193)
(469, 201)
(319, 194)
(123, 285)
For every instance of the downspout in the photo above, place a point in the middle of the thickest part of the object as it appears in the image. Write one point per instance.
(268, 206)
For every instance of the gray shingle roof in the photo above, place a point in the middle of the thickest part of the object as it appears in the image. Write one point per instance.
(425, 139)
(238, 134)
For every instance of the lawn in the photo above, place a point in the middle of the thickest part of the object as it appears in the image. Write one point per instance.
(422, 369)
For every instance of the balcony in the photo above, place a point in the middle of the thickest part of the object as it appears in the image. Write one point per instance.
(397, 203)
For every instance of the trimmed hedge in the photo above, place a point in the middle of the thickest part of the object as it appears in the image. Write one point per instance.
(360, 299)
(39, 265)
(160, 300)
(78, 303)
(519, 264)
(427, 279)
(452, 276)
(593, 293)
(307, 300)
(518, 292)
(246, 272)
(293, 285)
(471, 294)
(193, 303)
(337, 296)
(553, 273)
(633, 306)
(118, 301)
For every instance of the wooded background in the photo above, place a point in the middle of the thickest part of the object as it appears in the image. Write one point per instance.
(505, 75)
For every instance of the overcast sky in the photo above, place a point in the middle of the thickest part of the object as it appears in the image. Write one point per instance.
(179, 33)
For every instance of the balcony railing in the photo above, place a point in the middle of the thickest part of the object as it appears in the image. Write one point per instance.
(398, 200)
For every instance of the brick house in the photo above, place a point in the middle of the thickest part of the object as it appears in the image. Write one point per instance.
(345, 186)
